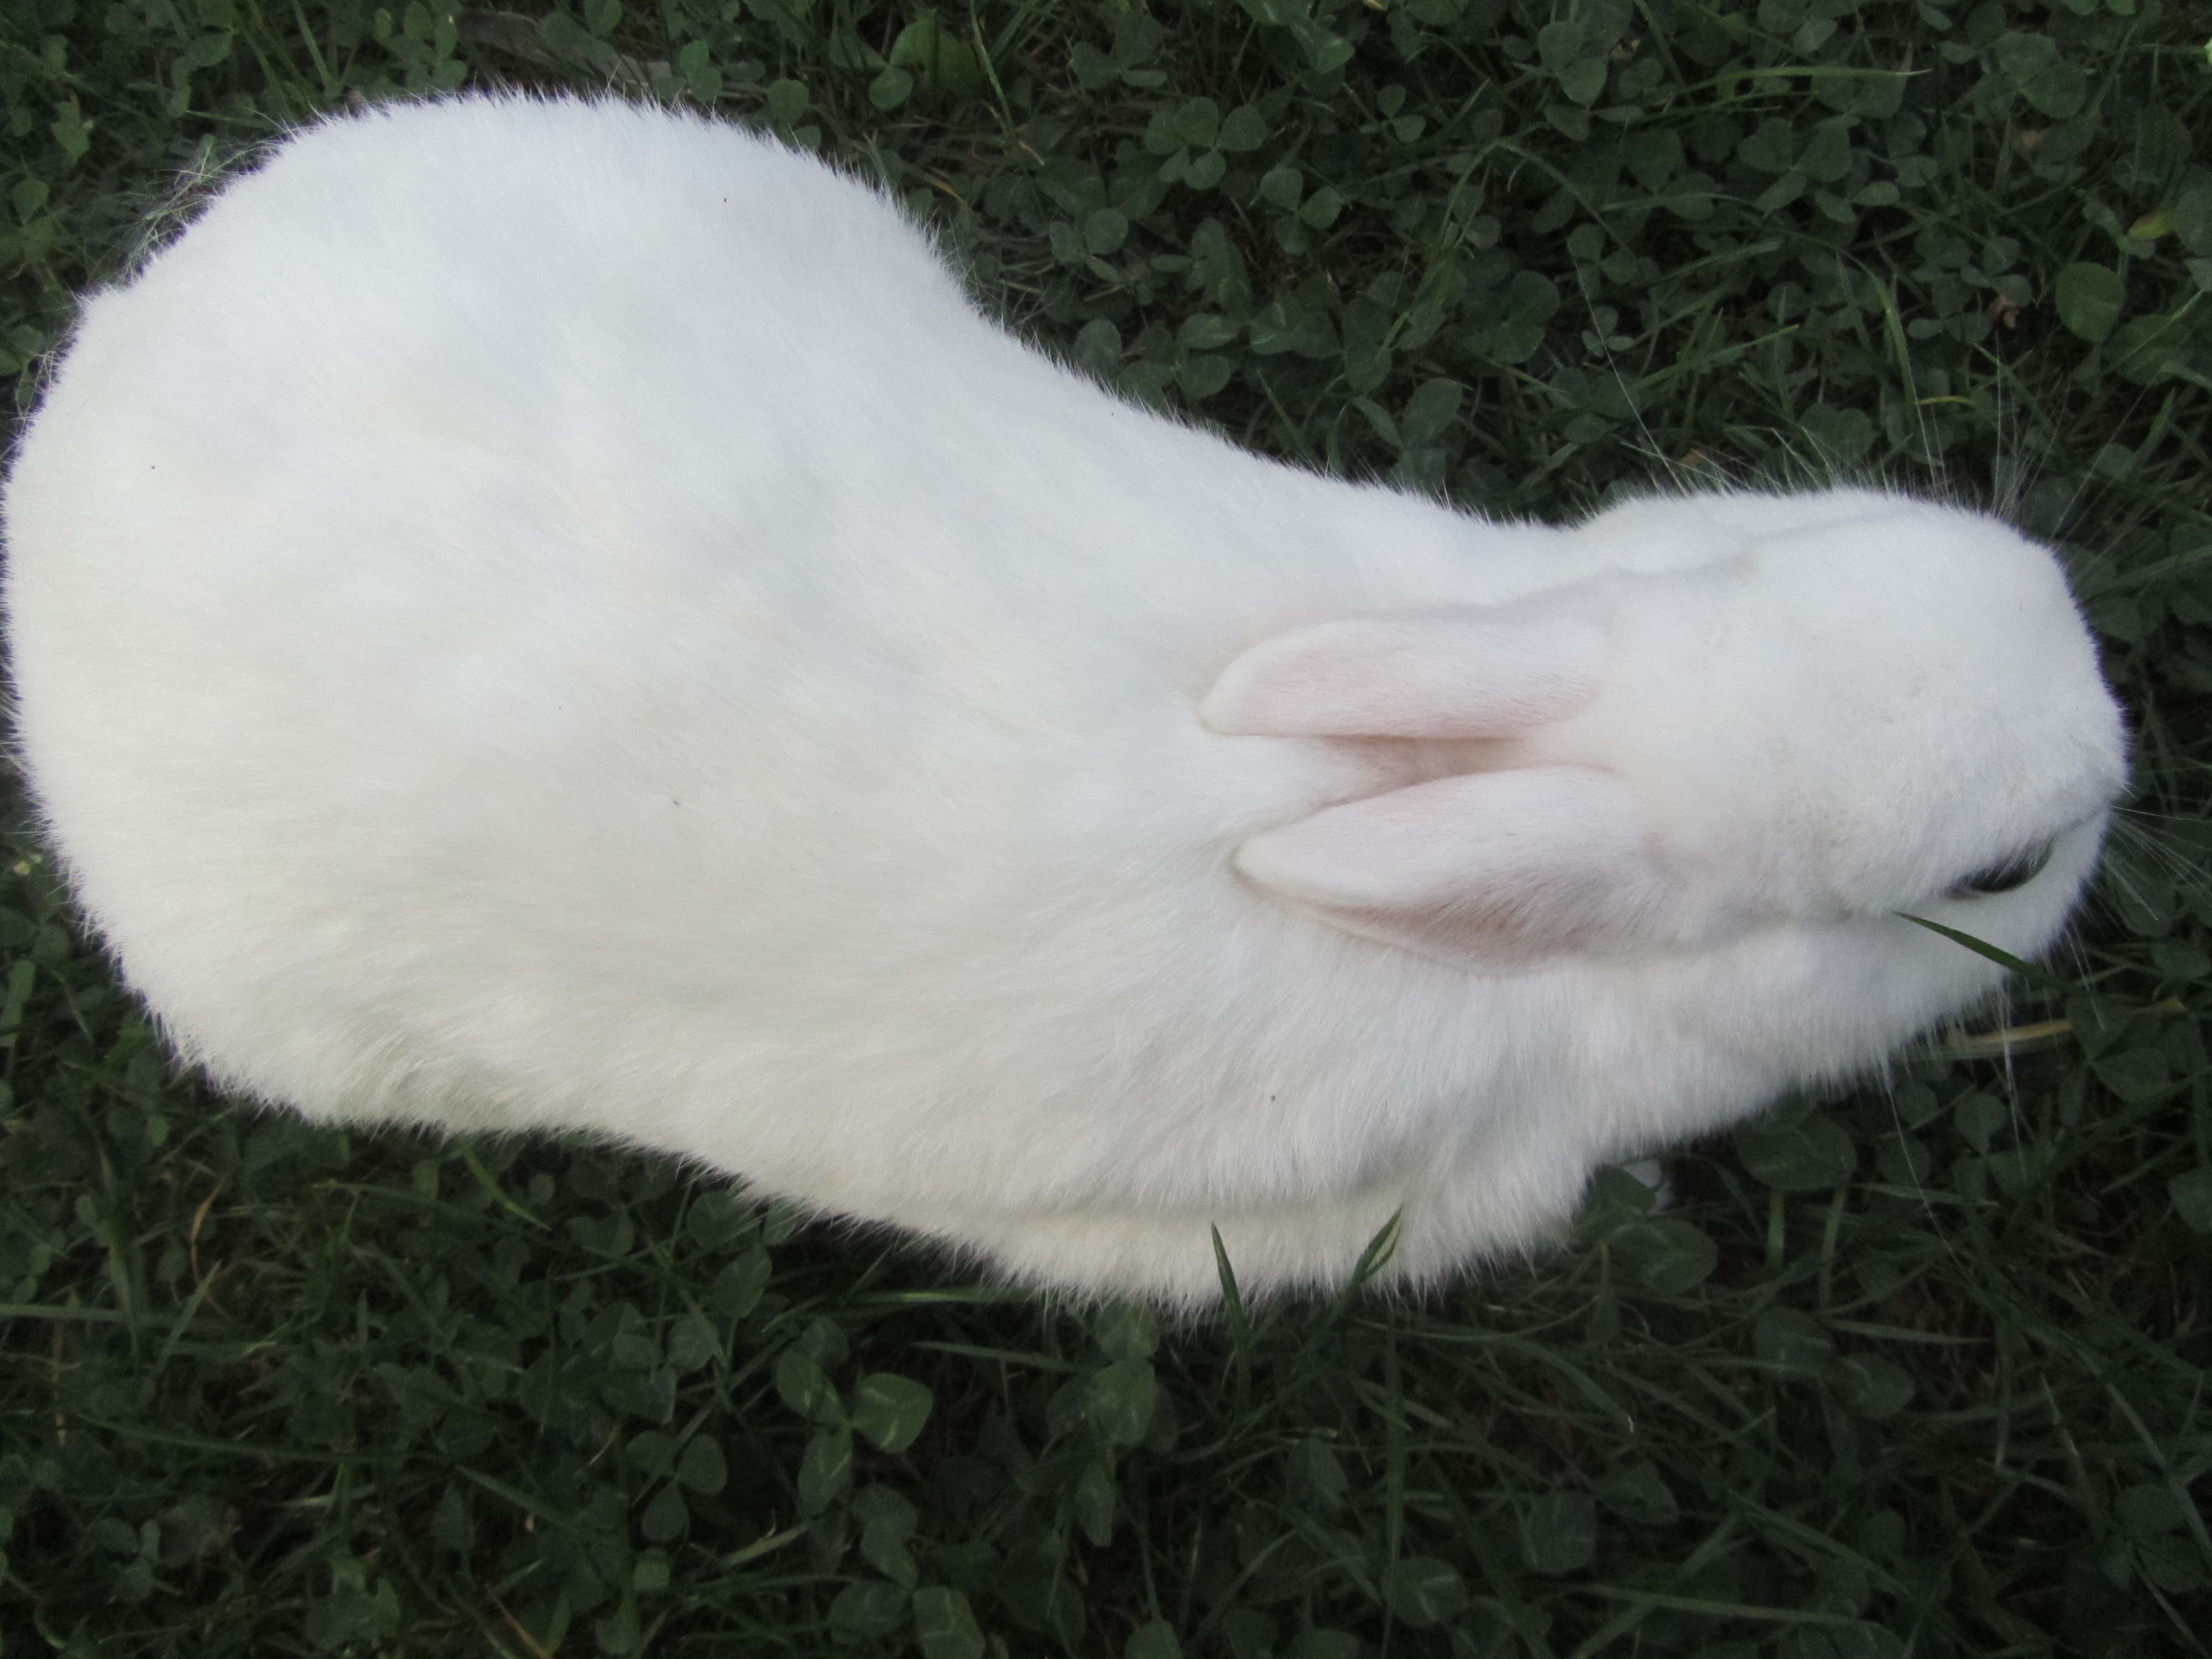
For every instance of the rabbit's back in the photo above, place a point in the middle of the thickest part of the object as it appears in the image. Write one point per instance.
(599, 632)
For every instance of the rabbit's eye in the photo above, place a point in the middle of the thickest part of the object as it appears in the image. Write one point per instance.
(2014, 872)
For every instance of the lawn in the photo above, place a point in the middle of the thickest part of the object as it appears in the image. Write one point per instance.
(1916, 1369)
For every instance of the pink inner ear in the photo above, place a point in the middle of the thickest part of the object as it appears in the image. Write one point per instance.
(1488, 870)
(1473, 672)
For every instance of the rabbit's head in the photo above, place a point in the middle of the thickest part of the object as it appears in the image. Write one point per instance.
(1742, 714)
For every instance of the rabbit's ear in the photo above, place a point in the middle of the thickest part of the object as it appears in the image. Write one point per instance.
(1470, 671)
(1488, 870)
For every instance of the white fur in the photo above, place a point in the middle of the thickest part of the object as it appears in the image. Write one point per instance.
(549, 613)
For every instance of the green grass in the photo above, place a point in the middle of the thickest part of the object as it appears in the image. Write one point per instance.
(1917, 1371)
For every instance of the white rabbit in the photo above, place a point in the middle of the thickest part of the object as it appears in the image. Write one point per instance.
(565, 614)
